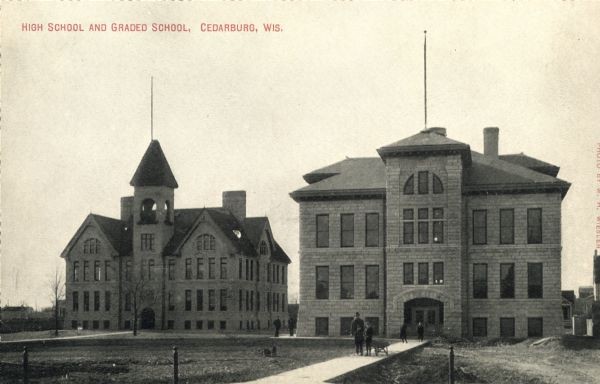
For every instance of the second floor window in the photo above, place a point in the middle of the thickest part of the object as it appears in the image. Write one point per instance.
(347, 282)
(372, 229)
(372, 281)
(423, 273)
(188, 269)
(438, 273)
(147, 241)
(534, 226)
(438, 225)
(75, 301)
(151, 269)
(188, 300)
(408, 272)
(223, 299)
(97, 271)
(423, 216)
(408, 224)
(507, 226)
(507, 281)
(211, 268)
(535, 281)
(171, 269)
(128, 270)
(479, 227)
(86, 270)
(322, 231)
(223, 268)
(322, 282)
(199, 268)
(211, 300)
(107, 270)
(76, 271)
(347, 230)
(480, 283)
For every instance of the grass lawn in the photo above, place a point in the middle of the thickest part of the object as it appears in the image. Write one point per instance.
(570, 359)
(148, 358)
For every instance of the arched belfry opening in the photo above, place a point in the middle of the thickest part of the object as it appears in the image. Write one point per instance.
(148, 212)
(168, 212)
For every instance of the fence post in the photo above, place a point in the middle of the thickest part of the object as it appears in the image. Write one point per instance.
(25, 366)
(175, 366)
(451, 366)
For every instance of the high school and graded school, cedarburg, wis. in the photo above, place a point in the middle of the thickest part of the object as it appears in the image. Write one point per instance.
(211, 269)
(430, 231)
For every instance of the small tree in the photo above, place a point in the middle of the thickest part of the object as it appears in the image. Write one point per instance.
(57, 293)
(141, 294)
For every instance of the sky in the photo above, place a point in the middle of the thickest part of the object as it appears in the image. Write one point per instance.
(256, 111)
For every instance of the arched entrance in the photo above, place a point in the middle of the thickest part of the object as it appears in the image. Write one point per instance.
(429, 312)
(147, 319)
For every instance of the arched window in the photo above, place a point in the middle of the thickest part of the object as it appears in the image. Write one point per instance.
(409, 186)
(148, 212)
(168, 211)
(263, 248)
(437, 185)
(205, 242)
(91, 246)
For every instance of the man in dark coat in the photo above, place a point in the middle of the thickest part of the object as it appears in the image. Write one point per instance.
(368, 337)
(292, 325)
(403, 333)
(420, 331)
(358, 330)
(277, 324)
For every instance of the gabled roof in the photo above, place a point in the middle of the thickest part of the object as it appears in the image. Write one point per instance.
(531, 163)
(279, 254)
(154, 170)
(429, 140)
(118, 233)
(255, 227)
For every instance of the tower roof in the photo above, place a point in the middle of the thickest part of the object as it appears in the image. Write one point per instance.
(154, 170)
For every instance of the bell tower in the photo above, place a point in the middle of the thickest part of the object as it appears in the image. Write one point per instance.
(153, 202)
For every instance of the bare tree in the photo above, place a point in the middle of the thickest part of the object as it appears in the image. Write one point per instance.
(57, 289)
(140, 294)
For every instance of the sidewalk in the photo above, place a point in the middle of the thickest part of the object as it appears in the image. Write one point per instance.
(321, 372)
(63, 338)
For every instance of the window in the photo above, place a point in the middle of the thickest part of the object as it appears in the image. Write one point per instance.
(188, 269)
(409, 186)
(222, 325)
(205, 242)
(106, 324)
(283, 302)
(480, 281)
(240, 300)
(247, 300)
(128, 270)
(85, 324)
(479, 327)
(347, 230)
(438, 225)
(408, 226)
(128, 301)
(96, 300)
(74, 324)
(409, 278)
(107, 271)
(346, 326)
(257, 271)
(211, 300)
(240, 268)
(322, 231)
(252, 270)
(248, 270)
(211, 324)
(535, 281)
(171, 269)
(321, 326)
(211, 267)
(252, 300)
(507, 226)
(269, 305)
(91, 247)
(372, 230)
(423, 182)
(322, 284)
(268, 272)
(199, 324)
(170, 324)
(277, 274)
(151, 269)
(76, 271)
(95, 324)
(423, 273)
(347, 282)
(374, 321)
(171, 302)
(188, 300)
(534, 226)
(423, 216)
(223, 299)
(199, 300)
(507, 281)
(97, 271)
(263, 248)
(437, 185)
(86, 270)
(75, 301)
(223, 268)
(535, 327)
(258, 301)
(147, 242)
(479, 227)
(507, 327)
(372, 282)
(86, 301)
(107, 301)
(438, 273)
(187, 324)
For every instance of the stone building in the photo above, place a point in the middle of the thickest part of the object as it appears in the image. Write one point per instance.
(430, 231)
(208, 269)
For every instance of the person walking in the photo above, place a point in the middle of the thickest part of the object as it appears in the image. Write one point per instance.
(292, 325)
(277, 324)
(420, 331)
(368, 337)
(403, 333)
(358, 330)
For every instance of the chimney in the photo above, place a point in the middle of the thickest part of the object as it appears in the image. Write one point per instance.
(439, 130)
(235, 202)
(126, 207)
(490, 141)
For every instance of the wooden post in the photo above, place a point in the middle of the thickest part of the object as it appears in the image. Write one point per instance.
(451, 366)
(25, 366)
(175, 366)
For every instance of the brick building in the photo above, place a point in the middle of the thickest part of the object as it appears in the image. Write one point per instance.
(205, 269)
(430, 231)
